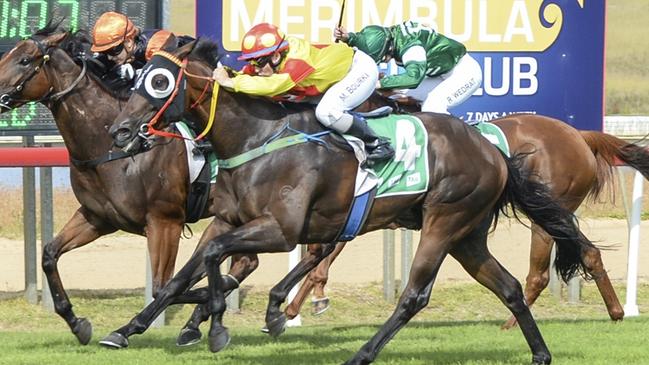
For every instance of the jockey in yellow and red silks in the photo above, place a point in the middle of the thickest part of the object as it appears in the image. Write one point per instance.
(288, 68)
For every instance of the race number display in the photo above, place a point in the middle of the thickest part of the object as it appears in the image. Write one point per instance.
(21, 18)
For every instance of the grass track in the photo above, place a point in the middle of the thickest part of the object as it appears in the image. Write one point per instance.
(461, 325)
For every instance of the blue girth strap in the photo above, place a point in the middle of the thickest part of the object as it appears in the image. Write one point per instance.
(360, 209)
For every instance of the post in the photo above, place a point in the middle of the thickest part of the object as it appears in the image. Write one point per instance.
(574, 290)
(47, 229)
(293, 258)
(555, 283)
(148, 293)
(29, 227)
(388, 265)
(406, 257)
(631, 306)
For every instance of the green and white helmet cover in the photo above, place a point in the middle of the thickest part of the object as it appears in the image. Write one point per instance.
(442, 53)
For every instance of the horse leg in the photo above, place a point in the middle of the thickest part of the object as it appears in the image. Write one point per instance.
(242, 266)
(162, 241)
(476, 259)
(430, 254)
(321, 275)
(263, 234)
(275, 319)
(538, 276)
(172, 292)
(316, 281)
(78, 232)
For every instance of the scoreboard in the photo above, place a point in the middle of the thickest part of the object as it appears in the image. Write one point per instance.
(21, 18)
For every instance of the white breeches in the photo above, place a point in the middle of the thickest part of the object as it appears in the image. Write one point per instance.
(348, 93)
(442, 92)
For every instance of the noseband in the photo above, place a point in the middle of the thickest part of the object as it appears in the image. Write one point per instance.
(9, 100)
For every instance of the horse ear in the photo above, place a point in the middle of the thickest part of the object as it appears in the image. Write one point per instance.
(55, 39)
(183, 51)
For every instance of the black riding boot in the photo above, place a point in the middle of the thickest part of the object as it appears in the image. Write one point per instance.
(378, 148)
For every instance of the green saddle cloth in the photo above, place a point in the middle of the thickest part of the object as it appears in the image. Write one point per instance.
(495, 135)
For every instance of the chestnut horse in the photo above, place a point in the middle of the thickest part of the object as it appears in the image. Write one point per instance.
(139, 194)
(575, 164)
(301, 195)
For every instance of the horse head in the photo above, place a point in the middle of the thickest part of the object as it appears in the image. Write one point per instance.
(160, 94)
(24, 76)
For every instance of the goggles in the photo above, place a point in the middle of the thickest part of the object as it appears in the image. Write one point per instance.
(115, 51)
(261, 61)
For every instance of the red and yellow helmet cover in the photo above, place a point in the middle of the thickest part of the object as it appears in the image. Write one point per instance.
(261, 40)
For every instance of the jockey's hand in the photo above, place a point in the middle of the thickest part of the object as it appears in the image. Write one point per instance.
(221, 76)
(126, 71)
(341, 33)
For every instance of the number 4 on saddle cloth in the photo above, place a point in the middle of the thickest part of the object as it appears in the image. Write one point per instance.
(406, 173)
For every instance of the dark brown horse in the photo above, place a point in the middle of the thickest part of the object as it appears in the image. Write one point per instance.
(575, 164)
(301, 195)
(141, 195)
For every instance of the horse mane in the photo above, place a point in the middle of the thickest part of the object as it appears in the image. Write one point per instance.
(76, 44)
(205, 51)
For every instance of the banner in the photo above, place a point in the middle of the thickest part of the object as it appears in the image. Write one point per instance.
(537, 56)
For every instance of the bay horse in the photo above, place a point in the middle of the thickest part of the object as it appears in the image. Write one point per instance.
(301, 195)
(140, 194)
(576, 165)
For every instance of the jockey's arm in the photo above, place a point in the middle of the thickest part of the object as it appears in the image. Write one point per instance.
(414, 61)
(272, 85)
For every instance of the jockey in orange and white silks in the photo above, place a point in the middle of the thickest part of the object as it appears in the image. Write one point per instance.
(128, 47)
(289, 68)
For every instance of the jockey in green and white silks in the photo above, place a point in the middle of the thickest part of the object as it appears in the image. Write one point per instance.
(439, 71)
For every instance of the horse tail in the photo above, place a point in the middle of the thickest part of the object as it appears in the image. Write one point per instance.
(524, 193)
(609, 151)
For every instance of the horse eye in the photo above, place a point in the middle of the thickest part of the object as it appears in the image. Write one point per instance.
(25, 61)
(160, 83)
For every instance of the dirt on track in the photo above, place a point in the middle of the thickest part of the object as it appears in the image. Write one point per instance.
(118, 261)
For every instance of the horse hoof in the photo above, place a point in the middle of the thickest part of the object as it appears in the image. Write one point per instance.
(320, 306)
(219, 340)
(545, 359)
(277, 326)
(115, 340)
(265, 330)
(188, 337)
(83, 331)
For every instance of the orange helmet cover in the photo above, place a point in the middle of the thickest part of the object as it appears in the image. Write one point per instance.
(111, 29)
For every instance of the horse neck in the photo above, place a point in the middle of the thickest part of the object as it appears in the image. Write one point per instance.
(243, 123)
(85, 113)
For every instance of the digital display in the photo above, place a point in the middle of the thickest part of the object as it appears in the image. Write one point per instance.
(21, 18)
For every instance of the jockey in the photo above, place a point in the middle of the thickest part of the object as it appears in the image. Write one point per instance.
(127, 46)
(291, 69)
(439, 71)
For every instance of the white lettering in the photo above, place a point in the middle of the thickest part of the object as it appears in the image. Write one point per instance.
(286, 19)
(424, 18)
(448, 23)
(483, 36)
(519, 13)
(328, 24)
(520, 75)
(264, 13)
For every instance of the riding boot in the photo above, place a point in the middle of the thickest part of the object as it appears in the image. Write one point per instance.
(378, 148)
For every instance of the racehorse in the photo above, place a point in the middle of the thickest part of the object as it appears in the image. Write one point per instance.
(575, 164)
(301, 195)
(139, 194)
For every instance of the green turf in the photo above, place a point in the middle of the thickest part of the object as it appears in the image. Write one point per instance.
(461, 325)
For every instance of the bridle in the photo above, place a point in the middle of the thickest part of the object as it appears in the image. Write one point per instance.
(10, 100)
(147, 130)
